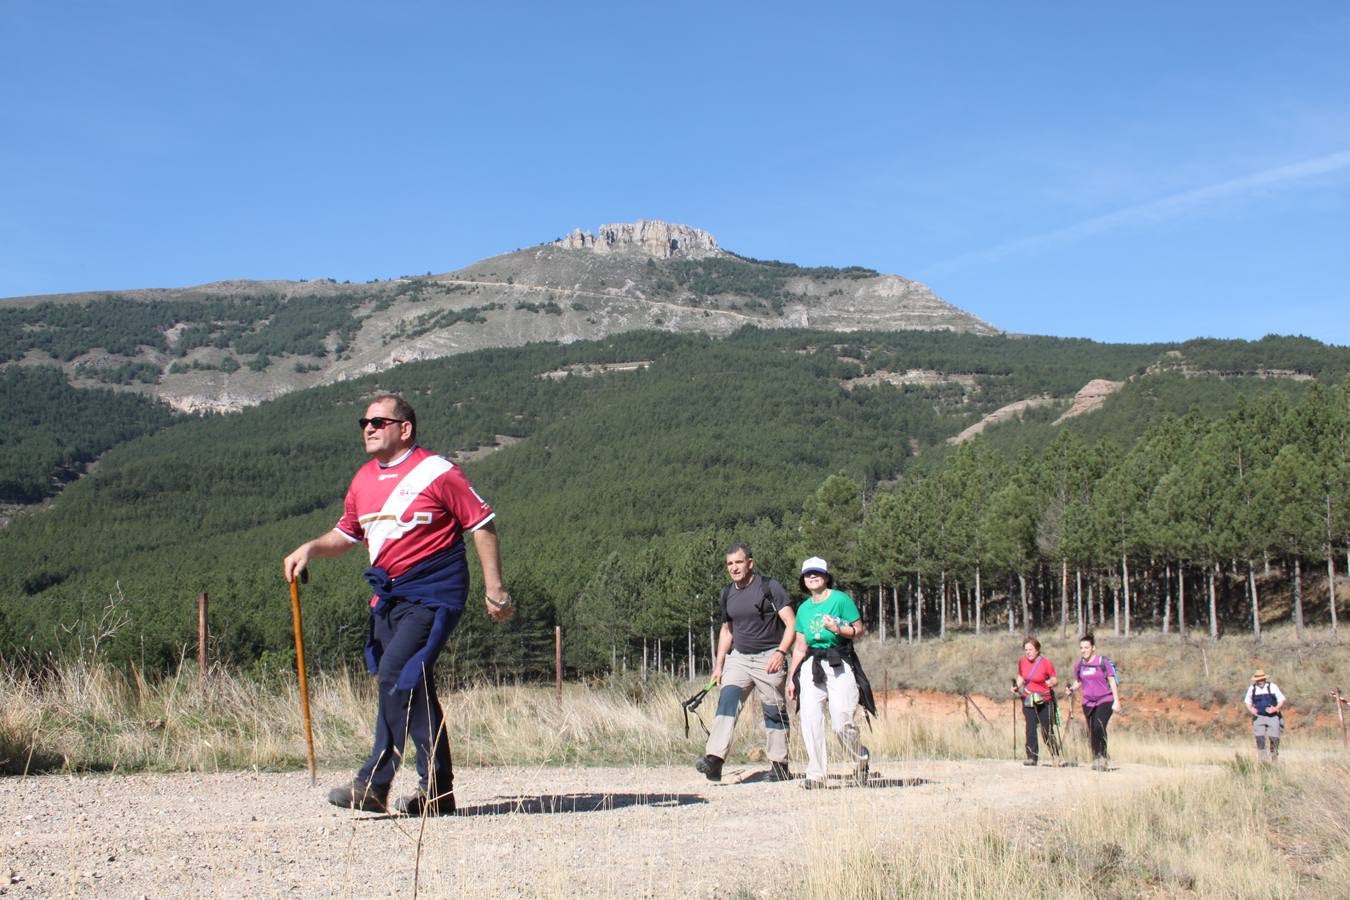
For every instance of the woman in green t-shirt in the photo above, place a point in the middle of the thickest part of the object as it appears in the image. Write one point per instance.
(827, 624)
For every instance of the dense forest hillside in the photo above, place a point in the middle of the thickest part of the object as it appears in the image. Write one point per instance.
(621, 467)
(52, 430)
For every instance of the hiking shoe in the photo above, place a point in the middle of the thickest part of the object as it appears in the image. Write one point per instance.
(420, 804)
(359, 795)
(779, 772)
(1099, 764)
(711, 766)
(1029, 762)
(813, 784)
(862, 768)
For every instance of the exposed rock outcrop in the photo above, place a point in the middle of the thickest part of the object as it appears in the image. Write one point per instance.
(654, 238)
(1091, 396)
(1000, 415)
(912, 376)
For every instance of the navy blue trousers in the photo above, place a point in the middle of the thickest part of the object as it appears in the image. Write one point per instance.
(401, 630)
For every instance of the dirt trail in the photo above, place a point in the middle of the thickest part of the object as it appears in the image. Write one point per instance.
(638, 831)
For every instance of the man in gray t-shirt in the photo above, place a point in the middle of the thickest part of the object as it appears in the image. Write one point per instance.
(757, 631)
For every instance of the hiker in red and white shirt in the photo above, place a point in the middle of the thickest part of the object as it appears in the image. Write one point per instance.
(411, 509)
(1036, 680)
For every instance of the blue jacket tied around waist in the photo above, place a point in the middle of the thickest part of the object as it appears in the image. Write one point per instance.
(440, 582)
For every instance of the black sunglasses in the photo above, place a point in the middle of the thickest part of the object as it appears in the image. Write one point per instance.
(379, 422)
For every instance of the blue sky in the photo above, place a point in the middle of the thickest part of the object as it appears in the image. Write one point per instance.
(1148, 171)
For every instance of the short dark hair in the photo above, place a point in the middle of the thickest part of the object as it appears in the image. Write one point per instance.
(740, 547)
(829, 580)
(402, 409)
(1032, 641)
(1089, 637)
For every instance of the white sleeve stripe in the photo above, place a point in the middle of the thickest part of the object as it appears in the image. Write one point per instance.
(481, 522)
(347, 536)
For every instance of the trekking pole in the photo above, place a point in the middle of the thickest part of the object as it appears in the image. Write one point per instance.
(1014, 717)
(300, 671)
(1054, 736)
(1068, 726)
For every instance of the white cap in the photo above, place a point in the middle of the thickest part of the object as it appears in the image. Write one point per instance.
(815, 564)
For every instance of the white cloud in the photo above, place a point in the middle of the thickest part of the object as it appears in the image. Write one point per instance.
(1169, 207)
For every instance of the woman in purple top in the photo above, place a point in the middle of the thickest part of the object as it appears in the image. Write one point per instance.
(1096, 677)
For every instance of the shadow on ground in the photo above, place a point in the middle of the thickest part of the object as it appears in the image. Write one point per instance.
(841, 781)
(549, 804)
(31, 760)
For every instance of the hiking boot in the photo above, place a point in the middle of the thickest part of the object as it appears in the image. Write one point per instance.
(359, 795)
(813, 784)
(779, 772)
(1099, 764)
(711, 766)
(862, 768)
(420, 804)
(1029, 762)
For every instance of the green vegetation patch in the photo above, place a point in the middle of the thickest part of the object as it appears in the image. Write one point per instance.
(249, 324)
(432, 321)
(765, 281)
(52, 429)
(123, 373)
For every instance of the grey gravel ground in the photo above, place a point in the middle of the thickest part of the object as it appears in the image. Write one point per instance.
(622, 832)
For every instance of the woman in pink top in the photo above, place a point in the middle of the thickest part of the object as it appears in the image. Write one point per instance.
(1035, 682)
(1096, 677)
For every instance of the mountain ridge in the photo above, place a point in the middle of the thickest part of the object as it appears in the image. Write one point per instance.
(644, 275)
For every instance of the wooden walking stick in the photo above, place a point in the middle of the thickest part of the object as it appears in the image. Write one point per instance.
(300, 670)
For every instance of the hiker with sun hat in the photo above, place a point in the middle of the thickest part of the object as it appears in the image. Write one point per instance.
(1265, 701)
(825, 670)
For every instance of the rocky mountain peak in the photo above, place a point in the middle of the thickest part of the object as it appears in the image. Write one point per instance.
(662, 240)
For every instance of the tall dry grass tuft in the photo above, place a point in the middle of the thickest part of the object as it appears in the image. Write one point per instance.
(1253, 831)
(91, 717)
(87, 716)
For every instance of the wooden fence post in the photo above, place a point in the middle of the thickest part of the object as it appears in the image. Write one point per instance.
(201, 640)
(1340, 711)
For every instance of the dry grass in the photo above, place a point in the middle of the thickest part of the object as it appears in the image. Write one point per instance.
(1214, 673)
(91, 717)
(96, 718)
(1251, 832)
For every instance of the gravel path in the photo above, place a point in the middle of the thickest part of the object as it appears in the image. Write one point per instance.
(644, 832)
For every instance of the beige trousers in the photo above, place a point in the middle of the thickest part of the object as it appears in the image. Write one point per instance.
(739, 674)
